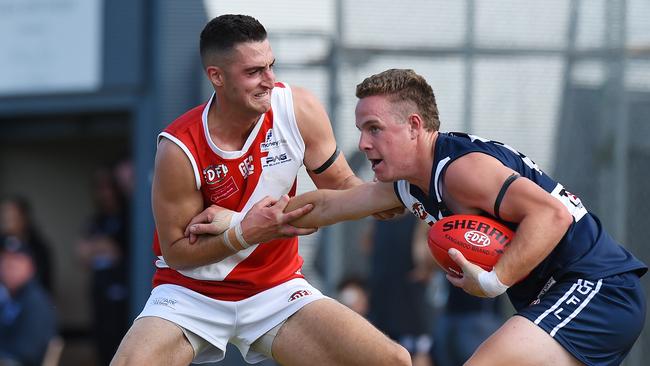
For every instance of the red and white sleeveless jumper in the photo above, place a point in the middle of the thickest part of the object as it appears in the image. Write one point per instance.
(266, 165)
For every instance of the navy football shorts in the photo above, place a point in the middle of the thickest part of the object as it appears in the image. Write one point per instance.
(597, 321)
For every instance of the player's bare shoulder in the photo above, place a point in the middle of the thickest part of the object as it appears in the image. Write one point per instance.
(320, 145)
(172, 170)
(303, 99)
(310, 112)
(169, 153)
(471, 182)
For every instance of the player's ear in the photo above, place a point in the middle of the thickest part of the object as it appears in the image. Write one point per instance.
(215, 74)
(415, 125)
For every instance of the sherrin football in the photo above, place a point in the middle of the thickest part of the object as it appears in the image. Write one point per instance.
(482, 241)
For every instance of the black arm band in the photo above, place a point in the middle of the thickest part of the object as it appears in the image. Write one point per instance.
(502, 193)
(329, 162)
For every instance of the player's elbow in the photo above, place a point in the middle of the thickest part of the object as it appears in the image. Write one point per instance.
(561, 218)
(173, 257)
(174, 262)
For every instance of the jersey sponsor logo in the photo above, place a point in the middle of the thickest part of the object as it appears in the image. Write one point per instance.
(551, 281)
(299, 294)
(246, 167)
(223, 191)
(570, 201)
(215, 173)
(477, 238)
(273, 160)
(163, 301)
(270, 142)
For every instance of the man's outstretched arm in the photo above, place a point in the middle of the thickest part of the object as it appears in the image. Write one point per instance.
(355, 203)
(329, 207)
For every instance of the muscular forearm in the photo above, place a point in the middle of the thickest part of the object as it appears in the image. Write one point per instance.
(206, 250)
(332, 206)
(349, 182)
(318, 216)
(190, 250)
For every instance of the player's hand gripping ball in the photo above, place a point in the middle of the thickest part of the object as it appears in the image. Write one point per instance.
(482, 241)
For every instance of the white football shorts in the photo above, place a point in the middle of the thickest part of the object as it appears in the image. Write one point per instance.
(210, 324)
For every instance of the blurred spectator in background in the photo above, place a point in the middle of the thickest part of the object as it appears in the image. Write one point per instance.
(27, 316)
(465, 322)
(124, 177)
(353, 293)
(398, 285)
(16, 223)
(103, 247)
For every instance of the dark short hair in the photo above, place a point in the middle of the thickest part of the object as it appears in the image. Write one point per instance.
(404, 85)
(224, 32)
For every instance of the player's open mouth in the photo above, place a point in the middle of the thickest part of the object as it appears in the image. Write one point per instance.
(375, 162)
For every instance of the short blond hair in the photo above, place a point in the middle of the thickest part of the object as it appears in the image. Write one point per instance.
(404, 85)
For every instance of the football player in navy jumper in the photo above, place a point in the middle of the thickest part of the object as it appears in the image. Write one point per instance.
(575, 289)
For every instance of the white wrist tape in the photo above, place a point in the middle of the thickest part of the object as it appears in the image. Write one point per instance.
(235, 225)
(240, 236)
(490, 284)
(236, 218)
(226, 241)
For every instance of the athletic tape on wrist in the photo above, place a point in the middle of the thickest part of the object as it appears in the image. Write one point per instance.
(226, 241)
(490, 284)
(236, 218)
(240, 236)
